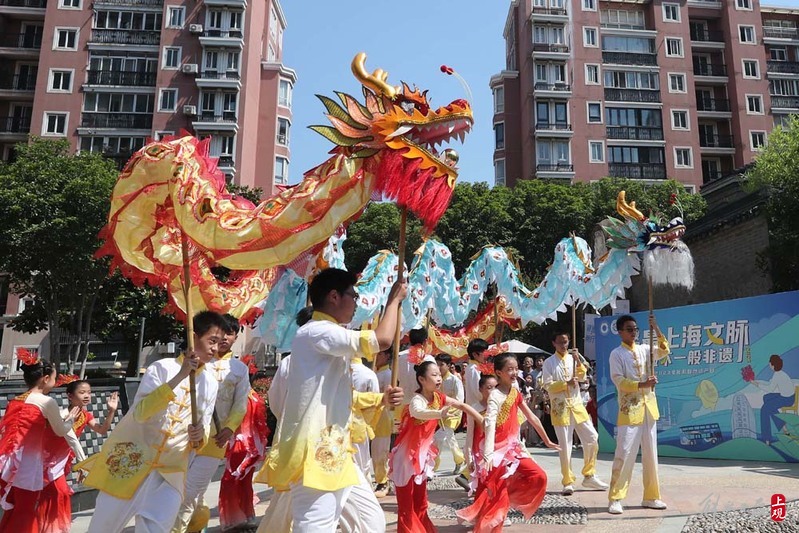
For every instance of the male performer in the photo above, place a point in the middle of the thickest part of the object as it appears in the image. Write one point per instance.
(569, 414)
(311, 456)
(381, 444)
(636, 426)
(141, 468)
(445, 435)
(363, 380)
(233, 378)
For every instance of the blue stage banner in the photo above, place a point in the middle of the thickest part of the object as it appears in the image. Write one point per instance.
(731, 388)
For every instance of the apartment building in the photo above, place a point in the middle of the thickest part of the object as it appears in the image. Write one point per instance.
(641, 89)
(109, 74)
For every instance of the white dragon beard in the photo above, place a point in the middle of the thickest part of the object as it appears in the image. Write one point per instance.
(670, 266)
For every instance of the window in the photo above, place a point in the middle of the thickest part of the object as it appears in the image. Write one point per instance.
(758, 139)
(60, 81)
(160, 135)
(283, 126)
(671, 12)
(499, 136)
(281, 170)
(747, 34)
(284, 94)
(127, 20)
(754, 104)
(228, 145)
(596, 150)
(589, 5)
(682, 158)
(622, 18)
(594, 113)
(66, 39)
(589, 37)
(674, 47)
(785, 87)
(623, 79)
(676, 83)
(168, 101)
(175, 16)
(743, 5)
(592, 74)
(499, 99)
(679, 119)
(69, 4)
(778, 54)
(171, 58)
(751, 69)
(499, 172)
(55, 124)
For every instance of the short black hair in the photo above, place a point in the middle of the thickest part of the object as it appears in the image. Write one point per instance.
(417, 336)
(623, 319)
(73, 386)
(476, 346)
(205, 320)
(234, 326)
(444, 358)
(558, 334)
(484, 378)
(304, 315)
(33, 373)
(330, 279)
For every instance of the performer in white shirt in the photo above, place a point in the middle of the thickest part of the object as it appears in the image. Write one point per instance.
(569, 414)
(364, 379)
(311, 455)
(636, 426)
(381, 444)
(452, 386)
(471, 379)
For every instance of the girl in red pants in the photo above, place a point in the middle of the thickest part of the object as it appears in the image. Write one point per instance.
(55, 505)
(24, 450)
(412, 459)
(507, 476)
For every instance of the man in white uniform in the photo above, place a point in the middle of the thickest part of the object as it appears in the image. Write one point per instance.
(636, 426)
(452, 386)
(363, 380)
(562, 373)
(311, 455)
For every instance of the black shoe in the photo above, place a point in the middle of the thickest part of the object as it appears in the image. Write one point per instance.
(463, 482)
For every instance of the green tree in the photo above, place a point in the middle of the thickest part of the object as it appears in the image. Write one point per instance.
(54, 204)
(776, 174)
(252, 194)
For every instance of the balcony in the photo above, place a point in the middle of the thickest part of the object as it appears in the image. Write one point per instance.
(719, 105)
(225, 38)
(784, 102)
(783, 67)
(137, 37)
(551, 50)
(208, 121)
(18, 83)
(552, 14)
(135, 121)
(120, 78)
(715, 141)
(24, 41)
(555, 90)
(701, 35)
(773, 32)
(155, 4)
(552, 129)
(710, 175)
(557, 167)
(640, 171)
(225, 161)
(120, 159)
(635, 133)
(12, 125)
(212, 79)
(710, 70)
(647, 96)
(629, 58)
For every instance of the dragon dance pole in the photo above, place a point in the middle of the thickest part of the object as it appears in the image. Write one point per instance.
(189, 331)
(651, 331)
(401, 274)
(574, 337)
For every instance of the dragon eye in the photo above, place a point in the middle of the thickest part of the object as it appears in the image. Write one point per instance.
(408, 107)
(675, 222)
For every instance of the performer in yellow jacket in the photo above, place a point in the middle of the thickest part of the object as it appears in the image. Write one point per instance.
(141, 468)
(636, 426)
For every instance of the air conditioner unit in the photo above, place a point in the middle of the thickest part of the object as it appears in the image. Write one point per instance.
(195, 28)
(190, 68)
(189, 109)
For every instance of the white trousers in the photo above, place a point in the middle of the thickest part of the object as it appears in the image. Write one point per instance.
(355, 509)
(363, 458)
(445, 438)
(155, 506)
(198, 477)
(588, 438)
(381, 446)
(628, 440)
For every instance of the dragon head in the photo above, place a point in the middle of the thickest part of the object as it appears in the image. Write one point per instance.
(652, 231)
(397, 126)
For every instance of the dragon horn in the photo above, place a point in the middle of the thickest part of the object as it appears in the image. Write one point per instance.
(375, 81)
(628, 210)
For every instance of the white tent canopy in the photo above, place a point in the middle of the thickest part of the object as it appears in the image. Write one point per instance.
(514, 346)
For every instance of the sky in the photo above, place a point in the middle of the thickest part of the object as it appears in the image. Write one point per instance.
(410, 39)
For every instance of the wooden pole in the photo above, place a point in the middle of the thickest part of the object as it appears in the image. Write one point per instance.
(189, 332)
(400, 273)
(574, 338)
(651, 331)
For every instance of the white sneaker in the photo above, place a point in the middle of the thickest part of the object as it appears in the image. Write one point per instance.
(593, 482)
(568, 490)
(507, 523)
(615, 507)
(654, 504)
